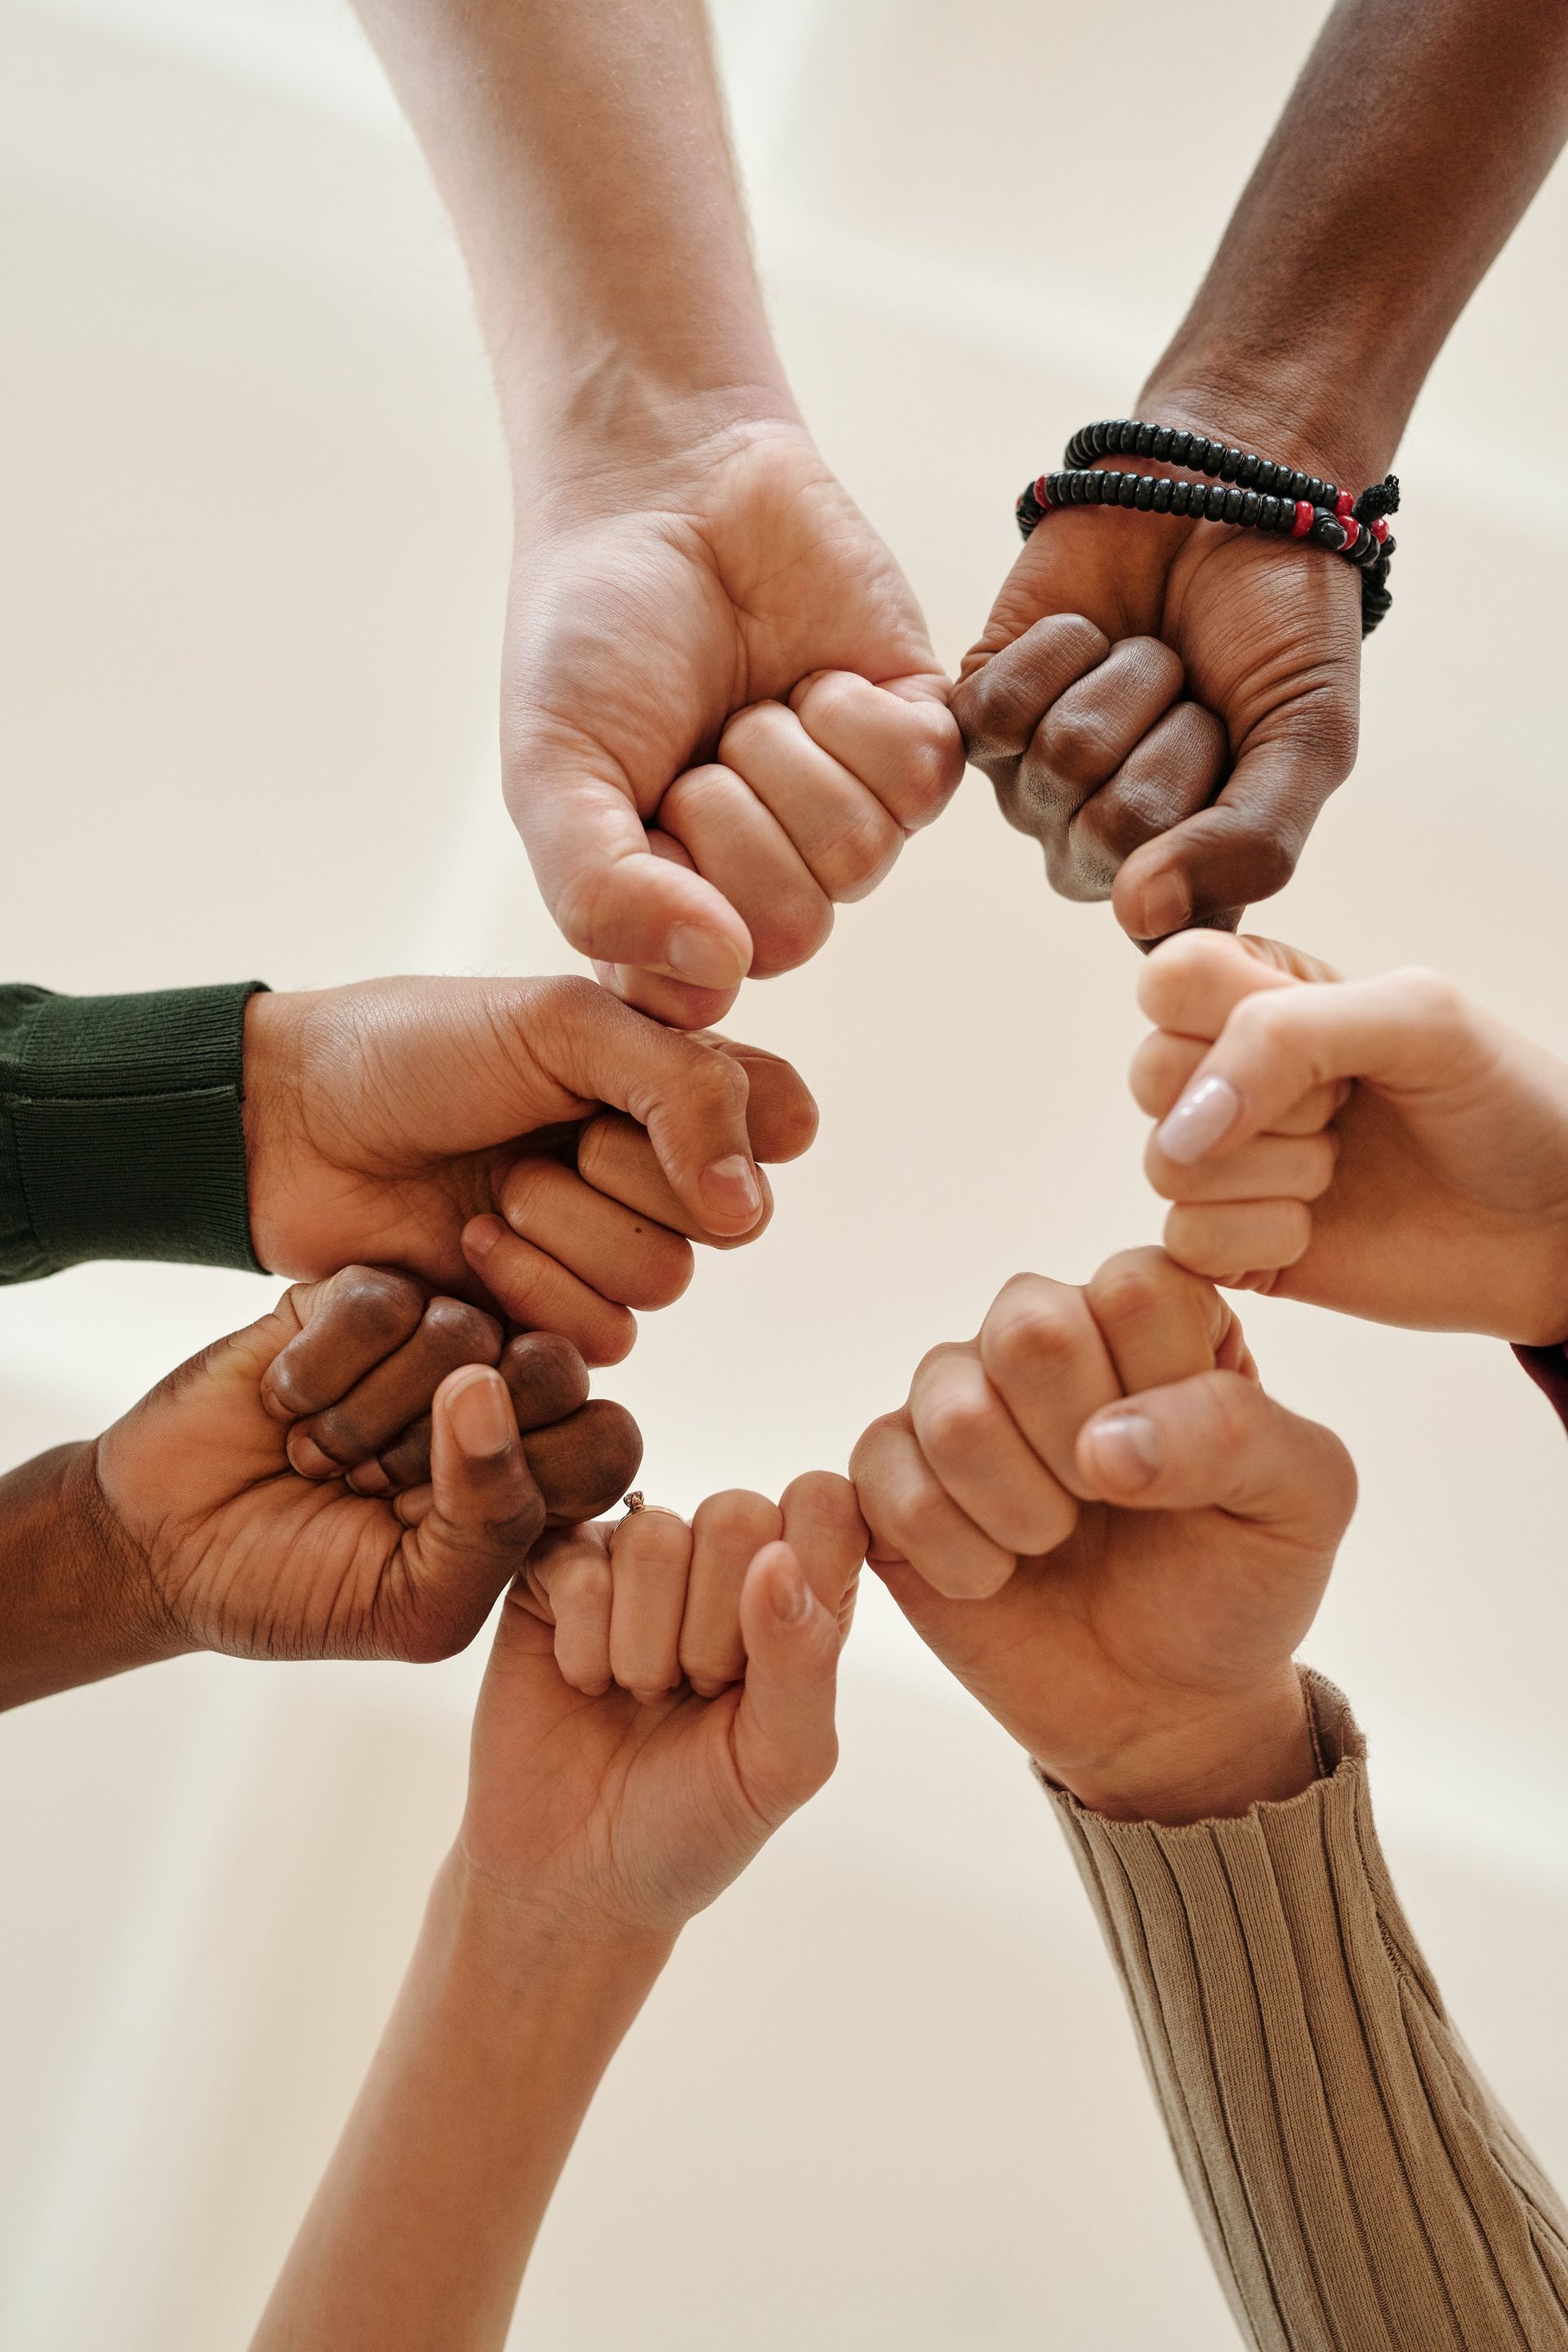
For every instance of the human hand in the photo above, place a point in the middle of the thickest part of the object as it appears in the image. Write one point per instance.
(722, 714)
(659, 1701)
(454, 1127)
(1143, 1572)
(219, 1500)
(1380, 1146)
(1166, 704)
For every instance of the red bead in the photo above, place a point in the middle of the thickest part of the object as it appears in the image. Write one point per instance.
(1303, 522)
(1343, 504)
(1041, 493)
(1380, 529)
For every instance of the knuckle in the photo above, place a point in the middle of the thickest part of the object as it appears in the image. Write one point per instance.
(385, 1304)
(933, 758)
(1131, 1290)
(463, 1331)
(1027, 1342)
(752, 731)
(1078, 743)
(1430, 998)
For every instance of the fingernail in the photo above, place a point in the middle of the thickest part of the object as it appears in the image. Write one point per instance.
(707, 959)
(370, 1478)
(788, 1592)
(308, 1458)
(1127, 1449)
(1164, 905)
(731, 1187)
(1203, 1116)
(481, 1420)
(481, 1234)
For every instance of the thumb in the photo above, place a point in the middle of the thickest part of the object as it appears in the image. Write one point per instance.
(786, 1745)
(1241, 848)
(690, 1097)
(1217, 1442)
(615, 900)
(475, 1522)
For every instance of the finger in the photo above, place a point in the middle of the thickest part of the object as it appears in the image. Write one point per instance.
(843, 834)
(396, 1391)
(1271, 1168)
(1158, 1321)
(785, 1743)
(1167, 776)
(1191, 983)
(674, 1002)
(583, 1465)
(971, 1443)
(731, 836)
(823, 1525)
(727, 1533)
(1242, 848)
(624, 1258)
(1239, 1244)
(484, 1513)
(1092, 727)
(912, 1517)
(568, 1571)
(650, 1555)
(1217, 1442)
(350, 1324)
(1164, 1063)
(690, 1098)
(614, 1156)
(1001, 697)
(899, 739)
(1043, 1353)
(531, 1288)
(1405, 1030)
(546, 1378)
(613, 897)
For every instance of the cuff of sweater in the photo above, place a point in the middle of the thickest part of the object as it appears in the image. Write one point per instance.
(119, 1116)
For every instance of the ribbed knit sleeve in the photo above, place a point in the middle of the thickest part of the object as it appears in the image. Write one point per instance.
(121, 1133)
(1358, 2186)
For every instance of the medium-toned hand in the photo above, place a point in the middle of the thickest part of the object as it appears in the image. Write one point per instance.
(455, 1128)
(1150, 1534)
(721, 712)
(1384, 1146)
(219, 1500)
(1166, 704)
(659, 1701)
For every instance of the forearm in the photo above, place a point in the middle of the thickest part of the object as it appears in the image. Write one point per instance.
(580, 148)
(420, 2230)
(1417, 136)
(1355, 2180)
(73, 1602)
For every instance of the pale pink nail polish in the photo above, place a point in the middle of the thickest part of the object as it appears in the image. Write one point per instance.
(1203, 1116)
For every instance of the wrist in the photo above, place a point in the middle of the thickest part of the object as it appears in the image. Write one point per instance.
(511, 1938)
(1202, 1765)
(79, 1599)
(270, 1113)
(1285, 412)
(637, 438)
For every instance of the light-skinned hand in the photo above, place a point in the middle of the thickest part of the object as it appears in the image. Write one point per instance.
(1382, 1146)
(722, 715)
(607, 1794)
(531, 1144)
(1145, 1535)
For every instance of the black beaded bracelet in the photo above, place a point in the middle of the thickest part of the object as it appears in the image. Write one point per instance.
(1252, 493)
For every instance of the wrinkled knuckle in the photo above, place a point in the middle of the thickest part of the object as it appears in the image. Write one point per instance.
(384, 1302)
(464, 1332)
(954, 1429)
(750, 732)
(1078, 743)
(1027, 1344)
(1128, 1292)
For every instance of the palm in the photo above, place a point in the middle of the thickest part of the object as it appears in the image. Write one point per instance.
(1079, 1646)
(251, 1558)
(633, 1813)
(632, 639)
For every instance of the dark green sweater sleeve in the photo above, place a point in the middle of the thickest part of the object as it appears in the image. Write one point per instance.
(120, 1134)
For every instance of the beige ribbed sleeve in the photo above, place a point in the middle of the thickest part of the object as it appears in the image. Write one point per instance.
(1359, 2187)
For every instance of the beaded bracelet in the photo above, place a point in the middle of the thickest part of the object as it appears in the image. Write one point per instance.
(1251, 492)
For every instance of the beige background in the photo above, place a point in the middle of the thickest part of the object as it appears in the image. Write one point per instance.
(254, 552)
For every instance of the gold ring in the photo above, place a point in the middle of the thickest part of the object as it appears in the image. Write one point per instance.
(635, 1502)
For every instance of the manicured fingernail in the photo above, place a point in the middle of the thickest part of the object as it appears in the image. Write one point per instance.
(1203, 1116)
(1126, 1449)
(307, 1458)
(480, 1236)
(707, 959)
(1163, 906)
(731, 1187)
(788, 1592)
(481, 1421)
